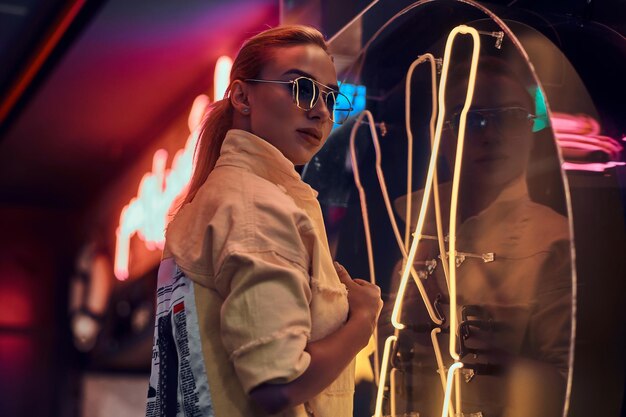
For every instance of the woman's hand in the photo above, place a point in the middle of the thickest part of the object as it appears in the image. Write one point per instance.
(363, 298)
(331, 354)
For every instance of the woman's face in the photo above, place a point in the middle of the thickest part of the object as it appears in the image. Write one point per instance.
(297, 133)
(497, 153)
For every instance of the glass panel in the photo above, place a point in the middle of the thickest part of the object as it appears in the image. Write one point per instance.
(493, 263)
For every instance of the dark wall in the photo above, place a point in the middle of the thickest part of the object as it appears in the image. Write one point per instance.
(34, 257)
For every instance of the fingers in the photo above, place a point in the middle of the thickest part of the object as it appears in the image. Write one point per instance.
(344, 277)
(361, 281)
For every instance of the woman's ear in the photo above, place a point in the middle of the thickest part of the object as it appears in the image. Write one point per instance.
(239, 97)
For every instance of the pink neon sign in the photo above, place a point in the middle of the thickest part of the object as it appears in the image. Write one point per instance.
(580, 141)
(146, 214)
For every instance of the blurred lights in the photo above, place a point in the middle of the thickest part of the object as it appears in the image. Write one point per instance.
(582, 146)
(18, 310)
(147, 213)
(221, 77)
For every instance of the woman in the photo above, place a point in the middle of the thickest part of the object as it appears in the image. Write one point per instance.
(253, 317)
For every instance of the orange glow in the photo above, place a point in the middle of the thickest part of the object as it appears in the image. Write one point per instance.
(378, 411)
(465, 30)
(221, 77)
(146, 214)
(446, 399)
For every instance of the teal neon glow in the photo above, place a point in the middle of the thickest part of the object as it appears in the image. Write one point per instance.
(356, 94)
(541, 111)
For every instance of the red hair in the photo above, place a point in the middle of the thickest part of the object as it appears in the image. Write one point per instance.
(251, 59)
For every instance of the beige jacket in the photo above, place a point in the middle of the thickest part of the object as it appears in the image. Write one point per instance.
(254, 245)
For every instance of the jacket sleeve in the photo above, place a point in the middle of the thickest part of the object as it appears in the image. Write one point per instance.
(265, 317)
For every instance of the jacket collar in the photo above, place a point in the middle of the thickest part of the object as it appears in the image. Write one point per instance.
(248, 151)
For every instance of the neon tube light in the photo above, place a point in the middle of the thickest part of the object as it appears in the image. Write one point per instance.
(394, 225)
(378, 411)
(448, 394)
(440, 367)
(465, 30)
(417, 234)
(433, 119)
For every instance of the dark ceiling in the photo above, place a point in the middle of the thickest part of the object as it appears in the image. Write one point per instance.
(122, 72)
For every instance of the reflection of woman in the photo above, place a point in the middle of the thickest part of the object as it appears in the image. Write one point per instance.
(257, 317)
(521, 302)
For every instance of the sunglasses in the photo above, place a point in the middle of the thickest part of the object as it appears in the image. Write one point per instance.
(507, 120)
(306, 92)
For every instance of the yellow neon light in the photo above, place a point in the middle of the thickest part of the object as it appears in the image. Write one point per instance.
(408, 266)
(417, 234)
(433, 119)
(446, 398)
(394, 225)
(462, 29)
(392, 391)
(407, 118)
(378, 411)
(146, 213)
(440, 366)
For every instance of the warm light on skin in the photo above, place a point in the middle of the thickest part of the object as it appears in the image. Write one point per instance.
(378, 412)
(465, 30)
(448, 394)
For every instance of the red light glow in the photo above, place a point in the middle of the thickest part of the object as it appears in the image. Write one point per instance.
(146, 214)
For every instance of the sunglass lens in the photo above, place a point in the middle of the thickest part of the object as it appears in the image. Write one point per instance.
(340, 108)
(306, 93)
(513, 120)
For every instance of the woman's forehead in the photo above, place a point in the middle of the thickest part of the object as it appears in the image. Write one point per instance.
(309, 60)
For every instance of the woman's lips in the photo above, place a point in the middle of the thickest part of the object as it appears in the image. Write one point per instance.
(310, 135)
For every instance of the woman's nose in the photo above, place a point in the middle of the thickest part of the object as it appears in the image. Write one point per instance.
(320, 109)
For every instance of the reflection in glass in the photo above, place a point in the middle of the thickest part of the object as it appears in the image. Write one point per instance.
(512, 255)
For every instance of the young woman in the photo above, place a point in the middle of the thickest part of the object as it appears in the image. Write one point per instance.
(253, 317)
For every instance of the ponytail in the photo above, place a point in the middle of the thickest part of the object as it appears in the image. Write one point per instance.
(218, 121)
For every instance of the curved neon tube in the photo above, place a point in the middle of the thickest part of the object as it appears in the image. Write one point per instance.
(448, 394)
(378, 411)
(368, 240)
(440, 367)
(465, 30)
(433, 118)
